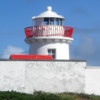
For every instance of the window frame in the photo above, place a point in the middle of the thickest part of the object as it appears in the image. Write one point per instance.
(51, 50)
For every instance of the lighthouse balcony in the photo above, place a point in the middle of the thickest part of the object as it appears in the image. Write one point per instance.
(49, 31)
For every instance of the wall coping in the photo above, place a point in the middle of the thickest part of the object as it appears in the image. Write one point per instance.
(43, 60)
(93, 67)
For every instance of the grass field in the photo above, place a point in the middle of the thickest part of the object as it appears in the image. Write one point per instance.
(46, 96)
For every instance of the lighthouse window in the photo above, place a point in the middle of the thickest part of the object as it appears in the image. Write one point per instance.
(56, 21)
(60, 21)
(52, 52)
(46, 21)
(51, 21)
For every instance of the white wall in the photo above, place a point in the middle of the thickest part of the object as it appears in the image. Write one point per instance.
(62, 49)
(57, 76)
(92, 80)
(12, 76)
(48, 76)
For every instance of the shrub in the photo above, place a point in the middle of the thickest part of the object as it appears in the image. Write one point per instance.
(46, 96)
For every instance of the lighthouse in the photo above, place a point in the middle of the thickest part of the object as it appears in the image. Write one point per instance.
(48, 35)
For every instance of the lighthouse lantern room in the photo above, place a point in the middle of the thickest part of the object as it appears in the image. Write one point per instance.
(48, 36)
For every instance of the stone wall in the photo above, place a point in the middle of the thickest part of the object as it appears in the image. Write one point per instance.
(49, 76)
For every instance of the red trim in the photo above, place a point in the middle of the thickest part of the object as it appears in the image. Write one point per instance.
(41, 57)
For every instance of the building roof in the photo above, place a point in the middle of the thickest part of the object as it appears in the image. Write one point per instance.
(34, 57)
(48, 13)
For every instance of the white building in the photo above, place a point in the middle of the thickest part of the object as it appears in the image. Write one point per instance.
(48, 36)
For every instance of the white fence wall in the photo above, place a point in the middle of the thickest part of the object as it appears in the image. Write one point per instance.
(12, 76)
(48, 76)
(92, 80)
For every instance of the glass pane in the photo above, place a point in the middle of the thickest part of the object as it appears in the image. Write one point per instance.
(56, 21)
(51, 21)
(60, 21)
(52, 52)
(46, 21)
(53, 56)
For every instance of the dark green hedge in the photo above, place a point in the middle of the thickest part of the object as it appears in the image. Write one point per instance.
(22, 96)
(46, 96)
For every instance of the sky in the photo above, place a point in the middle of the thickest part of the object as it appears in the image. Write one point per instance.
(82, 15)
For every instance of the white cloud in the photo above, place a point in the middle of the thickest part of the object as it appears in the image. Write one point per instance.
(88, 49)
(12, 50)
(87, 46)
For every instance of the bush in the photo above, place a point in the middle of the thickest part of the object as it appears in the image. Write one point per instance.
(46, 96)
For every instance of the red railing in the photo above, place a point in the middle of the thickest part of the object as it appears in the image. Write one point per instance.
(48, 30)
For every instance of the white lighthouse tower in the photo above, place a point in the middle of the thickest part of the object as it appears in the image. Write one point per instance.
(48, 36)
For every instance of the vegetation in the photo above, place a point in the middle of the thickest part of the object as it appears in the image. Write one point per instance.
(46, 96)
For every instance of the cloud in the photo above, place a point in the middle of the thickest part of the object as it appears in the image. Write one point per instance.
(87, 49)
(12, 50)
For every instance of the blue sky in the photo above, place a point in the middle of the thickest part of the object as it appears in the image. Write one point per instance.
(82, 15)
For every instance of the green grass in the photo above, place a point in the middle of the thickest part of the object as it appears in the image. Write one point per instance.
(46, 96)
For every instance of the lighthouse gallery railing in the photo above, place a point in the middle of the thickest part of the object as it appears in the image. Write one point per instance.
(48, 30)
